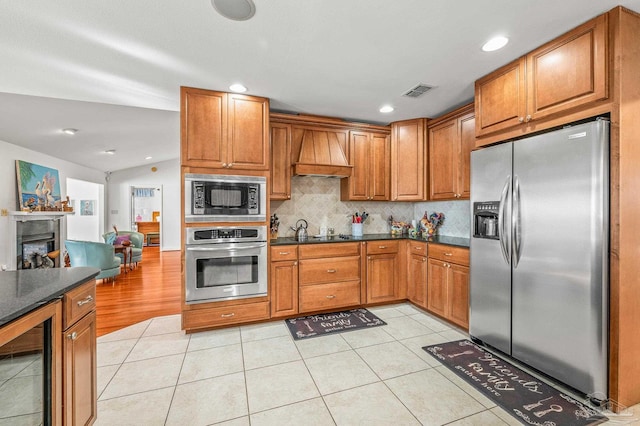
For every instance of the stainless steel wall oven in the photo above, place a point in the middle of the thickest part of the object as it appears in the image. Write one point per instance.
(225, 263)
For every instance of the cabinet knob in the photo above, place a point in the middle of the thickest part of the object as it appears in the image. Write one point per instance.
(448, 254)
(230, 165)
(89, 299)
(332, 271)
(382, 247)
(331, 296)
(288, 196)
(224, 165)
(418, 248)
(284, 252)
(424, 259)
(528, 118)
(72, 336)
(521, 119)
(295, 263)
(228, 315)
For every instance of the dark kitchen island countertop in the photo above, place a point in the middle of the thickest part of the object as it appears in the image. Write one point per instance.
(439, 239)
(25, 290)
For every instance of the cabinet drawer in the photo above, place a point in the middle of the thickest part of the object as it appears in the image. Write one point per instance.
(382, 247)
(78, 302)
(335, 269)
(310, 251)
(284, 253)
(418, 248)
(329, 296)
(231, 314)
(458, 255)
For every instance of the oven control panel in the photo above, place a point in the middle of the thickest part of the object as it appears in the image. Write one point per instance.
(216, 234)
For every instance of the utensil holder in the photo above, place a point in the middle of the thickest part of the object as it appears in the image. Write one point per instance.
(356, 229)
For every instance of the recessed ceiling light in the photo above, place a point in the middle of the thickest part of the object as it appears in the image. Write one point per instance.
(237, 10)
(70, 131)
(386, 109)
(110, 151)
(495, 43)
(148, 158)
(238, 88)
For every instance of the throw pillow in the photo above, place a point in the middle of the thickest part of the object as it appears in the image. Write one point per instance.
(110, 237)
(120, 240)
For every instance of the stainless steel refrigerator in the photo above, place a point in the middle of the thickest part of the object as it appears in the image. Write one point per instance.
(539, 252)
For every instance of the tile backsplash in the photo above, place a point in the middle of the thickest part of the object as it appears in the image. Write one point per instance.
(317, 200)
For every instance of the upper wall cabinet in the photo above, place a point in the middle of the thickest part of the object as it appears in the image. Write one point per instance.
(565, 74)
(280, 161)
(370, 179)
(408, 174)
(224, 130)
(451, 139)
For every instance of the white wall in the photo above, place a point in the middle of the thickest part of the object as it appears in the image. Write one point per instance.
(9, 153)
(166, 177)
(85, 228)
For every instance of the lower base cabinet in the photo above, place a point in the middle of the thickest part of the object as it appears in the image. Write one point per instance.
(383, 271)
(79, 371)
(448, 284)
(283, 279)
(214, 314)
(417, 274)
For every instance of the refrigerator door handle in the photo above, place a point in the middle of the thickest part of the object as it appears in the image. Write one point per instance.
(505, 244)
(517, 239)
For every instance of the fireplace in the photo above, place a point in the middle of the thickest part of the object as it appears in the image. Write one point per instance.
(38, 239)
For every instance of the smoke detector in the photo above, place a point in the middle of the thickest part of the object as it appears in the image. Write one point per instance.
(417, 91)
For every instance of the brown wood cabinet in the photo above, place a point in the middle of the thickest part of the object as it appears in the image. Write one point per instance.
(383, 271)
(224, 130)
(329, 276)
(567, 73)
(451, 139)
(448, 283)
(284, 281)
(80, 355)
(369, 154)
(417, 273)
(408, 174)
(216, 314)
(280, 162)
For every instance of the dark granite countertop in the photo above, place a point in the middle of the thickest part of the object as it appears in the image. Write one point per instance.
(24, 290)
(440, 239)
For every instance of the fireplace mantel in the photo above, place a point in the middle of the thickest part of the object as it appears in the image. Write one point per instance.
(24, 216)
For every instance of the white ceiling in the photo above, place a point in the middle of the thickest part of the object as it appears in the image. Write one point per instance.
(113, 68)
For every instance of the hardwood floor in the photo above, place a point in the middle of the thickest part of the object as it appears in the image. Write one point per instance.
(150, 290)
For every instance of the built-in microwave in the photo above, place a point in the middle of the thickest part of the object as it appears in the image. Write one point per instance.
(224, 198)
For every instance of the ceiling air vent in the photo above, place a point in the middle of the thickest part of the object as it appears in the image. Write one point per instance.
(417, 91)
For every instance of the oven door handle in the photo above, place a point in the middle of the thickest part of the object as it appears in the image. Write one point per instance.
(235, 247)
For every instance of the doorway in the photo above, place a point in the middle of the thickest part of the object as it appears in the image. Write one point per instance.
(87, 221)
(146, 213)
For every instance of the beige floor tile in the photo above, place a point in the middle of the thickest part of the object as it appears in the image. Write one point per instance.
(240, 421)
(279, 385)
(409, 309)
(385, 312)
(415, 344)
(336, 372)
(367, 337)
(485, 418)
(146, 408)
(264, 331)
(209, 401)
(21, 396)
(114, 352)
(164, 325)
(369, 405)
(323, 345)
(391, 360)
(134, 331)
(142, 376)
(262, 353)
(212, 362)
(406, 327)
(476, 394)
(454, 334)
(435, 324)
(432, 398)
(158, 345)
(214, 338)
(312, 412)
(105, 374)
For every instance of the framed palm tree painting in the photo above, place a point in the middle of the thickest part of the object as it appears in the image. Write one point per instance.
(38, 186)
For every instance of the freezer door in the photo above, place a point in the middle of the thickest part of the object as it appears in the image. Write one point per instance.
(560, 254)
(490, 287)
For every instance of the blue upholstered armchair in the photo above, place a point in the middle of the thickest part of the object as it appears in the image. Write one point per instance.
(98, 255)
(136, 239)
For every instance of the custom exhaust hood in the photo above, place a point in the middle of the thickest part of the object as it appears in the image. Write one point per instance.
(321, 154)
